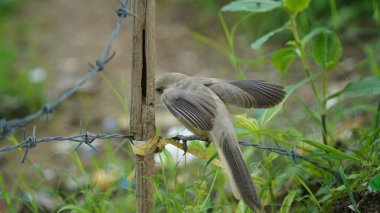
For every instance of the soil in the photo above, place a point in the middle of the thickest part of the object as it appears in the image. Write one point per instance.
(367, 203)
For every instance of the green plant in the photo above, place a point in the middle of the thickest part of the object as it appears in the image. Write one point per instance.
(325, 48)
(21, 86)
(341, 162)
(9, 6)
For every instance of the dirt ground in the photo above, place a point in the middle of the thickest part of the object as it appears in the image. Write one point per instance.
(369, 202)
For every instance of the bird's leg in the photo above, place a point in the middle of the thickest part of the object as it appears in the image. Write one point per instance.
(207, 142)
(184, 143)
(184, 140)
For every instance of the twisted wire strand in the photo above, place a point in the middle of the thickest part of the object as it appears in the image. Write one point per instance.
(82, 138)
(87, 138)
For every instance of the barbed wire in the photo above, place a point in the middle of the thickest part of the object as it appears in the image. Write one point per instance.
(82, 138)
(87, 138)
(8, 127)
(292, 154)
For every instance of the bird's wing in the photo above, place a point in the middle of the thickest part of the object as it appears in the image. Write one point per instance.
(249, 93)
(193, 105)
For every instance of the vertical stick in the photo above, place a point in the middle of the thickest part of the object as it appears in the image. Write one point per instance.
(143, 97)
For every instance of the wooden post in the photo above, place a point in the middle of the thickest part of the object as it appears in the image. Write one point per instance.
(143, 97)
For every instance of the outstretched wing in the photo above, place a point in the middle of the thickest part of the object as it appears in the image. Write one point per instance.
(193, 105)
(249, 93)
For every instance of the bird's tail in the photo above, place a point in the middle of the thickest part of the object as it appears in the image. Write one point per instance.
(230, 154)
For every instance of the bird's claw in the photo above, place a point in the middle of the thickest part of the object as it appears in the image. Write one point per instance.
(184, 140)
(184, 143)
(208, 142)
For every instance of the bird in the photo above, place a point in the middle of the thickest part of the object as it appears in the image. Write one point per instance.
(201, 105)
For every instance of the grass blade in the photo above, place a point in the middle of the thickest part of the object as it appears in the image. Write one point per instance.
(328, 149)
(287, 203)
(5, 193)
(308, 190)
(349, 191)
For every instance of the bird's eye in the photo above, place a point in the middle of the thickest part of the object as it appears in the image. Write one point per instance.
(159, 90)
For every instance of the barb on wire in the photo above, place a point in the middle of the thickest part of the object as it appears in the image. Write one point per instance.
(31, 142)
(87, 138)
(293, 155)
(8, 127)
(83, 138)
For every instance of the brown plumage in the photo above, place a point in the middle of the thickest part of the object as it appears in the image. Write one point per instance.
(199, 104)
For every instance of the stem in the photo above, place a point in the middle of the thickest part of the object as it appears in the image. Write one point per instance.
(334, 12)
(324, 128)
(305, 62)
(231, 54)
(321, 104)
(373, 148)
(271, 194)
(209, 192)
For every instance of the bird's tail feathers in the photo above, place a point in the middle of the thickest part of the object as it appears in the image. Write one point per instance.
(233, 162)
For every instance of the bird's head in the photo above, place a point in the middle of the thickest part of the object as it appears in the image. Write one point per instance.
(167, 80)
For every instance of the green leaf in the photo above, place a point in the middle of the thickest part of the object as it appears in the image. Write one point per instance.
(4, 193)
(283, 58)
(349, 191)
(312, 34)
(268, 114)
(271, 157)
(253, 6)
(296, 6)
(288, 200)
(244, 122)
(75, 208)
(214, 156)
(312, 196)
(374, 183)
(362, 87)
(328, 149)
(259, 42)
(376, 11)
(327, 50)
(328, 156)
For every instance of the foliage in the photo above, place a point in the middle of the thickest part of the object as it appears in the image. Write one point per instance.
(327, 50)
(21, 85)
(325, 47)
(375, 183)
(9, 6)
(310, 54)
(253, 6)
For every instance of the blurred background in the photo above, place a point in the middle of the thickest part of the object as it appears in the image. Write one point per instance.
(45, 48)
